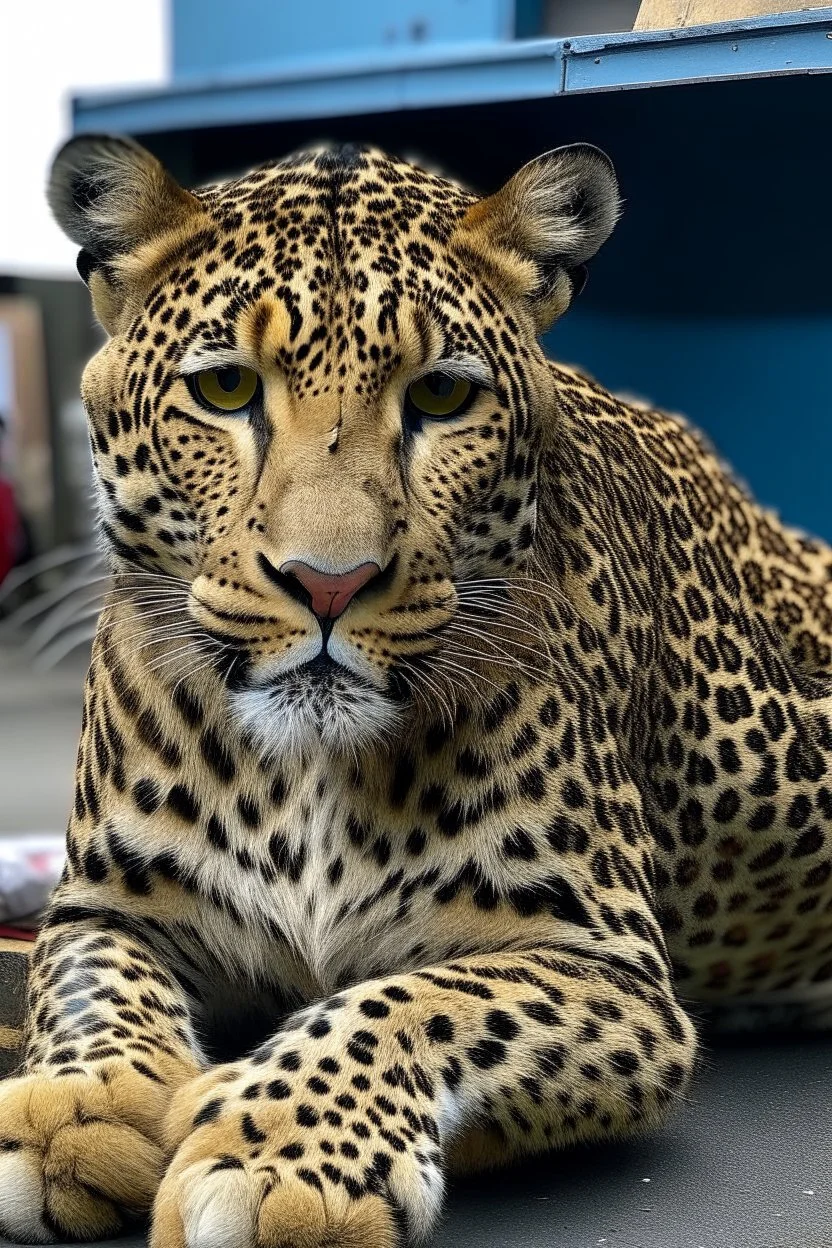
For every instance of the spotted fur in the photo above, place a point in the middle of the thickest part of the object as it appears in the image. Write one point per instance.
(567, 758)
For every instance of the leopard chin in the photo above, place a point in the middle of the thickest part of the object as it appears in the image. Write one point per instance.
(318, 707)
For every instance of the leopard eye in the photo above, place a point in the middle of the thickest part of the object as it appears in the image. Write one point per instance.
(227, 389)
(437, 395)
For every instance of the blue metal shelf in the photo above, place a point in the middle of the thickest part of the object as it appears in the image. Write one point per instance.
(453, 75)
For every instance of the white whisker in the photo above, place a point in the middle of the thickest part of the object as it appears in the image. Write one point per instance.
(165, 638)
(419, 675)
(148, 634)
(493, 606)
(151, 594)
(498, 607)
(446, 661)
(513, 664)
(187, 675)
(552, 594)
(468, 631)
(172, 658)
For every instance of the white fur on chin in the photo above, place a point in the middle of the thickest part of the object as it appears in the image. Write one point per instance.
(297, 716)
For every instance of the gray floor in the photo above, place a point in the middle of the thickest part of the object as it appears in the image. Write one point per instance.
(747, 1165)
(40, 719)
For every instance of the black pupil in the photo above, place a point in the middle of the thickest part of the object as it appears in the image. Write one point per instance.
(440, 385)
(228, 379)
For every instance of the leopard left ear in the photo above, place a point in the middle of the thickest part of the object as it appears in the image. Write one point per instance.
(548, 220)
(111, 197)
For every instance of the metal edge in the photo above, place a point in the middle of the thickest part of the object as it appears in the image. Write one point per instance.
(661, 58)
(330, 69)
(769, 23)
(453, 76)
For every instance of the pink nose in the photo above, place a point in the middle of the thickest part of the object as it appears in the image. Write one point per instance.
(330, 594)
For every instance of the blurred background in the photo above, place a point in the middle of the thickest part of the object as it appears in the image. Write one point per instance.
(713, 298)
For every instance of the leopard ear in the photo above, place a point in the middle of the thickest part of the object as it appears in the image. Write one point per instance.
(550, 218)
(111, 196)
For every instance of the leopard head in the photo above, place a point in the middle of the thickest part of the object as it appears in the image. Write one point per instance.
(320, 409)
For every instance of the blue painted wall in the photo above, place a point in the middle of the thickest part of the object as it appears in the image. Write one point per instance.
(760, 388)
(211, 37)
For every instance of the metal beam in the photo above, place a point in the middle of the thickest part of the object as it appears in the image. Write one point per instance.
(789, 43)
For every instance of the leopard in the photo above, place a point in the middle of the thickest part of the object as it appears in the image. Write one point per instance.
(456, 739)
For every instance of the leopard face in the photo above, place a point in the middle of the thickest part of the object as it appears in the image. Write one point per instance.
(320, 407)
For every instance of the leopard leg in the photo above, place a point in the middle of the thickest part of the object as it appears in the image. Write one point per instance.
(109, 1041)
(341, 1129)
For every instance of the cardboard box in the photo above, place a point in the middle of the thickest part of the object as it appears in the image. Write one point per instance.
(24, 404)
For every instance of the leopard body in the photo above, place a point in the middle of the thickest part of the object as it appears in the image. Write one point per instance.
(561, 784)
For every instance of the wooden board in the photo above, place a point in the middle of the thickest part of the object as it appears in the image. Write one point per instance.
(672, 14)
(14, 969)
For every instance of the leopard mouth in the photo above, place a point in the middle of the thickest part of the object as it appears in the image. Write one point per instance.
(318, 681)
(321, 671)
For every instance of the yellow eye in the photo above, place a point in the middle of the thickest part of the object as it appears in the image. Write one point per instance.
(227, 389)
(438, 395)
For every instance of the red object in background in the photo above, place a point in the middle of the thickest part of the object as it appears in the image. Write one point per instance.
(17, 933)
(10, 529)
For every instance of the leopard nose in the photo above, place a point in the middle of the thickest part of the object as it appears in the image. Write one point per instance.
(329, 593)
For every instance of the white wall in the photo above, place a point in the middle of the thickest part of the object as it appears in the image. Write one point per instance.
(51, 49)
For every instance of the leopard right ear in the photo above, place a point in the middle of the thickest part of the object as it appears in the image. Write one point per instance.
(549, 219)
(111, 196)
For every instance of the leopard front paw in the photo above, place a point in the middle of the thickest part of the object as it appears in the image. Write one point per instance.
(77, 1156)
(300, 1157)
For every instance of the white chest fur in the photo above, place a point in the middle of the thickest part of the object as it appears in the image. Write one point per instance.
(301, 918)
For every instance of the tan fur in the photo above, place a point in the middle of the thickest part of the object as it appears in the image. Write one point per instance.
(353, 903)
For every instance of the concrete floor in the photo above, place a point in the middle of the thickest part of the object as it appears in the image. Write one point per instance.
(40, 719)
